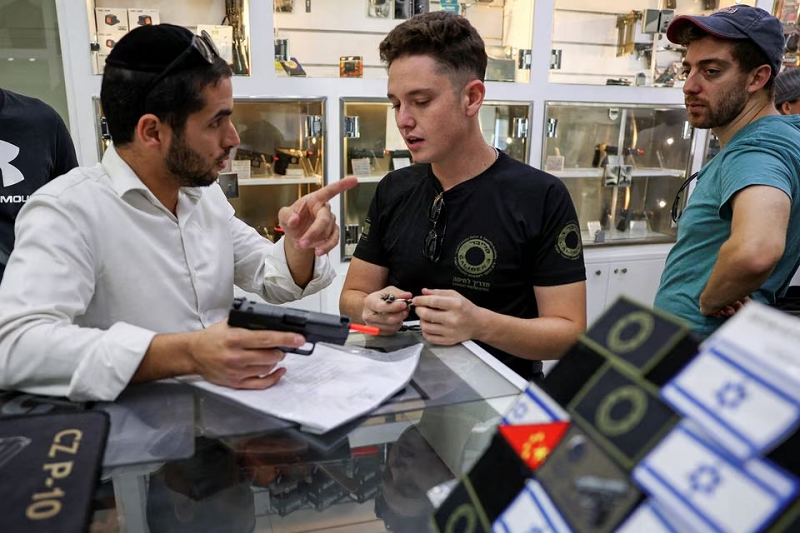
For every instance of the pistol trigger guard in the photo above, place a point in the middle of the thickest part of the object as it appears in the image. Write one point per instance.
(300, 350)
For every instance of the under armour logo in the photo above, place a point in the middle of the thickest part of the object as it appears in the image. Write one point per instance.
(11, 174)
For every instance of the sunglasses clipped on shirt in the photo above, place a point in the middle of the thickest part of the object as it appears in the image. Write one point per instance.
(676, 210)
(432, 248)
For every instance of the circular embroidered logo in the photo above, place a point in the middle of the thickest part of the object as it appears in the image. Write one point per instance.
(569, 243)
(476, 256)
(630, 332)
(631, 404)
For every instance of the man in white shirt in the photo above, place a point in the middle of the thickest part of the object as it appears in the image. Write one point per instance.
(124, 272)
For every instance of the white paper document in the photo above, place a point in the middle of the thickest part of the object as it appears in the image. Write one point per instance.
(328, 388)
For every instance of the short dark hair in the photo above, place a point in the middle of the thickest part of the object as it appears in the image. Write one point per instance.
(172, 100)
(745, 52)
(448, 38)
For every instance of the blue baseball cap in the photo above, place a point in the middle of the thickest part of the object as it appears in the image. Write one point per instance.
(736, 23)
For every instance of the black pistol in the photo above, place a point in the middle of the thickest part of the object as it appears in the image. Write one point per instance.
(315, 327)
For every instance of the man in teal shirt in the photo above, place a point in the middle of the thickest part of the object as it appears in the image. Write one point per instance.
(739, 236)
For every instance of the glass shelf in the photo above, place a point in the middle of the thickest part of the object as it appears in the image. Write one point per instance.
(281, 156)
(620, 42)
(341, 39)
(622, 164)
(227, 21)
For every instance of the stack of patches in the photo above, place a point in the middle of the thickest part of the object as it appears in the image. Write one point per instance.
(635, 431)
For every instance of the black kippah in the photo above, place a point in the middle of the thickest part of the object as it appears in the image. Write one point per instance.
(150, 48)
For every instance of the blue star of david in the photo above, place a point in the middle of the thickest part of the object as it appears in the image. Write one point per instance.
(520, 410)
(731, 395)
(705, 479)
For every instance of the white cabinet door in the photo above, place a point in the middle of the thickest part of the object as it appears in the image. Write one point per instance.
(637, 280)
(596, 287)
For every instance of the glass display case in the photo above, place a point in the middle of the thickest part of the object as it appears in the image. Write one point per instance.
(712, 147)
(226, 21)
(372, 146)
(787, 11)
(622, 164)
(31, 58)
(341, 39)
(621, 43)
(280, 158)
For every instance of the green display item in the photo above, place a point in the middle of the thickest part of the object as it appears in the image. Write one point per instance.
(590, 490)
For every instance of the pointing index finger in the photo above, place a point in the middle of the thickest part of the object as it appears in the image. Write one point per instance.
(337, 187)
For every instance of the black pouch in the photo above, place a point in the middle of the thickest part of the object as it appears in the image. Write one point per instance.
(50, 467)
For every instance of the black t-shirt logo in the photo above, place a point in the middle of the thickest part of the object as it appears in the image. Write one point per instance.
(569, 243)
(476, 256)
(9, 173)
(365, 230)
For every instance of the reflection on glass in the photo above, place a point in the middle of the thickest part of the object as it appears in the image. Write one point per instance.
(30, 52)
(413, 468)
(622, 166)
(207, 492)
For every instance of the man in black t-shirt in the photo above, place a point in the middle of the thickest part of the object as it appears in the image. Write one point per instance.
(35, 147)
(488, 248)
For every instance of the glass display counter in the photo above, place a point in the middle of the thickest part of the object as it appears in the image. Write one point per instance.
(182, 459)
(623, 166)
(226, 21)
(280, 158)
(372, 146)
(621, 43)
(341, 39)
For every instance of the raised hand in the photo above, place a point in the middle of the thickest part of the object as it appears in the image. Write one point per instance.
(309, 223)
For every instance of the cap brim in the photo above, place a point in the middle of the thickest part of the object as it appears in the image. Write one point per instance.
(716, 27)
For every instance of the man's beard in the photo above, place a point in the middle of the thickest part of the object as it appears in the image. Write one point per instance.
(187, 166)
(729, 105)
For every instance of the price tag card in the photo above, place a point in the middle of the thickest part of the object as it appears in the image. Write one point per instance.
(401, 162)
(241, 167)
(361, 166)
